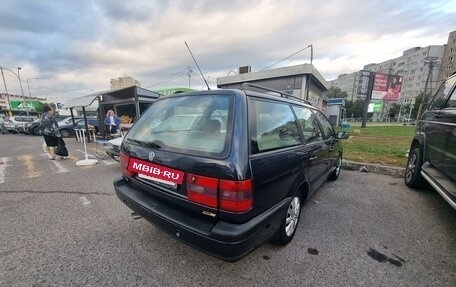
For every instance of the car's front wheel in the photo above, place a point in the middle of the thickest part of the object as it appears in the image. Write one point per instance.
(289, 224)
(413, 176)
(37, 131)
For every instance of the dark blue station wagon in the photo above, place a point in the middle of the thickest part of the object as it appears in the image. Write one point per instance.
(227, 170)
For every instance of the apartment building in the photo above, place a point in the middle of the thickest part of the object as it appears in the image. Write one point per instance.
(347, 83)
(448, 66)
(416, 66)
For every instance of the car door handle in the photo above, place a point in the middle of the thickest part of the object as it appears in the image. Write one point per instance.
(313, 158)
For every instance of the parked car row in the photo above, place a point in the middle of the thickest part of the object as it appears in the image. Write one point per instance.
(16, 124)
(31, 125)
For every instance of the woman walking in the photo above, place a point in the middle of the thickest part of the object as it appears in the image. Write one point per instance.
(50, 130)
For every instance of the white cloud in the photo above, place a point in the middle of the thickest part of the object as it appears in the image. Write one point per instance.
(77, 48)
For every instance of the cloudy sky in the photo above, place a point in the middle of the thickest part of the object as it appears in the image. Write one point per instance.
(76, 47)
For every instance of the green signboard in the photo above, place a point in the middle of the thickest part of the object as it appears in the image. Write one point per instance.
(31, 106)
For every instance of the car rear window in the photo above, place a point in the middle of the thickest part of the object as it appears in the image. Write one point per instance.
(193, 124)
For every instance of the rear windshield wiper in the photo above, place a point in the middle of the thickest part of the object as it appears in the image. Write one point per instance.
(152, 144)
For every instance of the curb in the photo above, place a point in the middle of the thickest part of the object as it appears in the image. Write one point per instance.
(375, 168)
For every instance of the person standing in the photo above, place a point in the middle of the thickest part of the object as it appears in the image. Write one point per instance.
(112, 122)
(50, 130)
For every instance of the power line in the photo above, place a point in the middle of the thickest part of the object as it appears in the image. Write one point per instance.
(173, 77)
(309, 46)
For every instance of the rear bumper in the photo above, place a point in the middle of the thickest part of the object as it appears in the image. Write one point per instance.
(224, 240)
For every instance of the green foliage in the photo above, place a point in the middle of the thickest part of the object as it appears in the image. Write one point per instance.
(394, 110)
(354, 109)
(419, 100)
(335, 92)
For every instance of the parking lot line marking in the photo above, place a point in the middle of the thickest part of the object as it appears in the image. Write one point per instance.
(28, 161)
(84, 200)
(88, 154)
(108, 162)
(3, 165)
(60, 167)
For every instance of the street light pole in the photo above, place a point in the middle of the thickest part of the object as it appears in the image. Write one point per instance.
(424, 97)
(22, 90)
(6, 90)
(30, 94)
(18, 77)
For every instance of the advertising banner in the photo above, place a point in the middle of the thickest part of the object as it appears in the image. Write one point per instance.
(386, 87)
(26, 105)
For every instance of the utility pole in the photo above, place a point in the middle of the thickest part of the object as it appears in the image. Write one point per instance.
(18, 77)
(6, 90)
(22, 90)
(424, 97)
(30, 94)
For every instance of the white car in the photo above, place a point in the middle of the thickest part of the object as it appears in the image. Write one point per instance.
(15, 124)
(113, 148)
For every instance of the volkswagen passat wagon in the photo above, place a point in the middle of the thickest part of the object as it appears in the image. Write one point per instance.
(232, 170)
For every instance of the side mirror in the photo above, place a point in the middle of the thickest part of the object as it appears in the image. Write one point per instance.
(343, 135)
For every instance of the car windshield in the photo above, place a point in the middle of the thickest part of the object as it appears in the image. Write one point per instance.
(197, 124)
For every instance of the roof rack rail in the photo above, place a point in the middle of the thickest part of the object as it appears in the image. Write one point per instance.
(245, 86)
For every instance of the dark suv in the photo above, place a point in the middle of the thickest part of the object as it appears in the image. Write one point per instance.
(432, 156)
(226, 170)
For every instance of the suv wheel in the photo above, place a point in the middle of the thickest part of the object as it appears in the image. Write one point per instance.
(413, 176)
(37, 131)
(335, 174)
(65, 133)
(290, 223)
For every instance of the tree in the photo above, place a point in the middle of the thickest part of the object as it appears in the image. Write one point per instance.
(354, 109)
(419, 99)
(394, 110)
(335, 92)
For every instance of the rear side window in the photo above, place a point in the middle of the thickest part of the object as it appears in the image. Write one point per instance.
(442, 94)
(273, 126)
(326, 126)
(196, 124)
(452, 101)
(309, 125)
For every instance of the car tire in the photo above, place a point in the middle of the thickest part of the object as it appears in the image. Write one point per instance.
(335, 174)
(37, 131)
(65, 133)
(413, 177)
(290, 222)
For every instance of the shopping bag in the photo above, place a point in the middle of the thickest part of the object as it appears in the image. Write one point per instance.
(61, 149)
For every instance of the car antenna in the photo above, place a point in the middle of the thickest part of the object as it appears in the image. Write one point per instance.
(198, 66)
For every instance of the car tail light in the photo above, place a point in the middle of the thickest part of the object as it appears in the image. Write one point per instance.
(202, 190)
(236, 196)
(228, 195)
(124, 160)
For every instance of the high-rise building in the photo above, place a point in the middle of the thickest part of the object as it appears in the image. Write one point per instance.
(347, 83)
(448, 66)
(417, 66)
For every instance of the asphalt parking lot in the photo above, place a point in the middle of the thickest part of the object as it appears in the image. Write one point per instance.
(62, 225)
